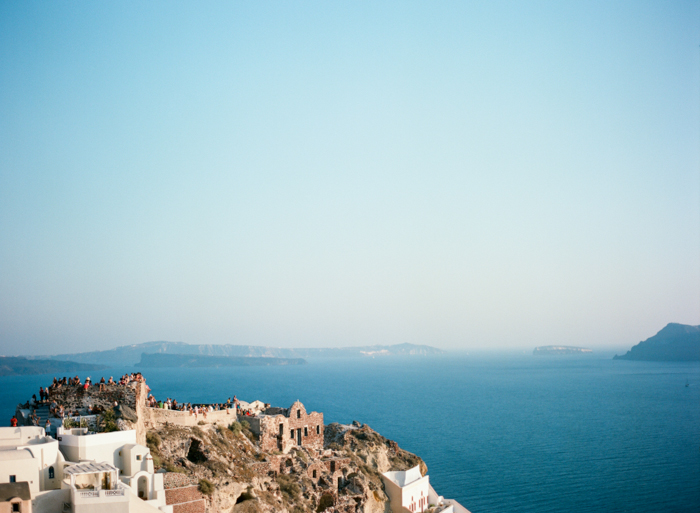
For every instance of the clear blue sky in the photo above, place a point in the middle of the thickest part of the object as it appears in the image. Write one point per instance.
(465, 175)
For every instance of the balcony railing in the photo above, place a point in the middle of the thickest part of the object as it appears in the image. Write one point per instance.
(95, 494)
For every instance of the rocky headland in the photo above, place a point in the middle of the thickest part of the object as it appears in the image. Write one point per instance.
(18, 366)
(344, 476)
(231, 456)
(675, 342)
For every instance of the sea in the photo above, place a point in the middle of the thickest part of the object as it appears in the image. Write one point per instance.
(501, 432)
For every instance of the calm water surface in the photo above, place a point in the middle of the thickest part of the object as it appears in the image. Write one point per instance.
(512, 433)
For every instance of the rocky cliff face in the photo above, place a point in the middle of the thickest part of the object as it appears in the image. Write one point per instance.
(343, 477)
(234, 473)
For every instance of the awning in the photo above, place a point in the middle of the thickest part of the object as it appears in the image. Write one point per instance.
(89, 467)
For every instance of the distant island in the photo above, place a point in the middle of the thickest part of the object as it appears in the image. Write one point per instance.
(675, 342)
(193, 360)
(556, 350)
(131, 354)
(18, 366)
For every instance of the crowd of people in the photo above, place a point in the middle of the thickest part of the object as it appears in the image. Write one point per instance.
(48, 396)
(198, 409)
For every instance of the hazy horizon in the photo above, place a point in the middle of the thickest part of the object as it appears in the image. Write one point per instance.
(465, 176)
(474, 350)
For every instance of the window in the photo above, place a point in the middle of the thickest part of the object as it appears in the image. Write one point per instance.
(291, 434)
(16, 507)
(332, 466)
(314, 474)
(318, 430)
(138, 457)
(298, 414)
(306, 431)
(51, 473)
(13, 479)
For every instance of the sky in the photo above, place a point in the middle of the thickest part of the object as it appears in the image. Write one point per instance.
(467, 175)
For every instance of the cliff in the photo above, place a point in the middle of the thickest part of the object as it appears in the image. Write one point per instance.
(131, 354)
(343, 477)
(675, 342)
(221, 457)
(186, 360)
(17, 365)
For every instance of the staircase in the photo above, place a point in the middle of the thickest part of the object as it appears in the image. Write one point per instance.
(42, 411)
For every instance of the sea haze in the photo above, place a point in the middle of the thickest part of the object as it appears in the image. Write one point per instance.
(507, 433)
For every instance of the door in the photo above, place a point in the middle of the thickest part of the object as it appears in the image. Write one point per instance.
(143, 487)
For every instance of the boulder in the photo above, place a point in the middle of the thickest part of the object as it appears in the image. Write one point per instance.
(127, 413)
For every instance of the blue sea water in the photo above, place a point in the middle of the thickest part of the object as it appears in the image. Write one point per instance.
(499, 433)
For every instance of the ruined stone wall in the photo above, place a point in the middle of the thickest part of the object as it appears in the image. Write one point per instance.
(154, 417)
(333, 465)
(315, 470)
(297, 426)
(267, 468)
(310, 424)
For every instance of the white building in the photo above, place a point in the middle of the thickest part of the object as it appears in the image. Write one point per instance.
(28, 455)
(407, 490)
(91, 473)
(95, 488)
(410, 492)
(77, 445)
(138, 473)
(119, 449)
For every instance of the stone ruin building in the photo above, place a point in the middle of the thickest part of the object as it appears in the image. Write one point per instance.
(282, 429)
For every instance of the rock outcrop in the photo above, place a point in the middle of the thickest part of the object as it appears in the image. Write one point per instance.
(676, 342)
(343, 477)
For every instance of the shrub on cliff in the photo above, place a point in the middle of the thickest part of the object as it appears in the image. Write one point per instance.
(302, 456)
(289, 487)
(243, 427)
(108, 421)
(70, 423)
(226, 433)
(206, 487)
(170, 467)
(153, 440)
